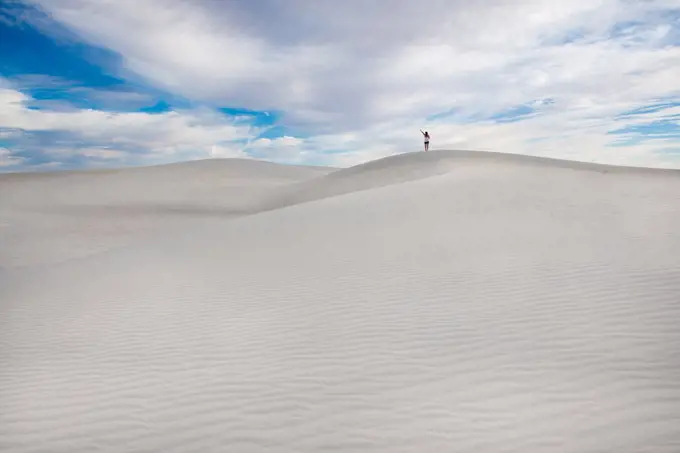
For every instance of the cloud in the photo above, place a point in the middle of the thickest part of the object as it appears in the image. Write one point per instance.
(134, 136)
(57, 93)
(7, 159)
(364, 56)
(228, 151)
(142, 129)
(356, 79)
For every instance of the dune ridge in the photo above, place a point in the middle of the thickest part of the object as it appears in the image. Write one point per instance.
(425, 302)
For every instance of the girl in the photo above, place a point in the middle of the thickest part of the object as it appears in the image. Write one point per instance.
(426, 136)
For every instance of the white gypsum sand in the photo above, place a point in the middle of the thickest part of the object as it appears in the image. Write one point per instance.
(448, 301)
(47, 217)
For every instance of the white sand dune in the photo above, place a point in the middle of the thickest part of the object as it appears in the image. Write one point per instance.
(49, 217)
(433, 302)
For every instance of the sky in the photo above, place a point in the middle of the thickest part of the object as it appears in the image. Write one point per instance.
(110, 83)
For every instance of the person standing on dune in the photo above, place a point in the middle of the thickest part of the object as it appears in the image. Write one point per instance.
(426, 136)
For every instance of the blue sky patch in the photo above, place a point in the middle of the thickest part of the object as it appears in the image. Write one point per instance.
(25, 50)
(642, 133)
(651, 108)
(443, 115)
(66, 73)
(159, 107)
(654, 129)
(662, 127)
(63, 74)
(513, 114)
(509, 115)
(571, 36)
(254, 117)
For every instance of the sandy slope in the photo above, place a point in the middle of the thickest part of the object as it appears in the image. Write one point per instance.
(455, 303)
(52, 217)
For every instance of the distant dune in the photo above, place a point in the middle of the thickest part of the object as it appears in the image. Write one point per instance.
(427, 302)
(51, 217)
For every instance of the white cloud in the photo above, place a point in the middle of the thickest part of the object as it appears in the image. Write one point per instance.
(361, 76)
(354, 50)
(228, 151)
(170, 128)
(102, 153)
(146, 136)
(281, 141)
(7, 159)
